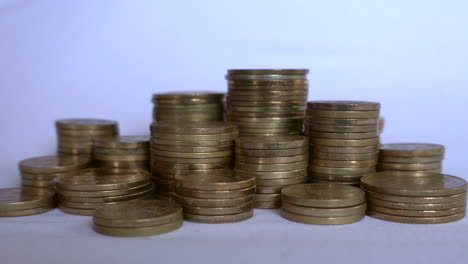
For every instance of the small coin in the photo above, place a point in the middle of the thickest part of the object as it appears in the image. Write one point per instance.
(25, 212)
(280, 121)
(215, 194)
(266, 108)
(187, 166)
(417, 199)
(192, 143)
(209, 137)
(121, 151)
(185, 95)
(352, 179)
(409, 166)
(137, 231)
(342, 121)
(188, 108)
(344, 150)
(329, 135)
(185, 200)
(218, 218)
(345, 142)
(200, 155)
(343, 157)
(344, 105)
(12, 199)
(339, 171)
(271, 167)
(214, 182)
(271, 153)
(192, 149)
(44, 176)
(281, 182)
(109, 199)
(341, 129)
(270, 134)
(355, 184)
(300, 91)
(324, 212)
(109, 157)
(52, 164)
(416, 220)
(263, 98)
(269, 131)
(132, 141)
(426, 159)
(268, 83)
(265, 77)
(339, 220)
(416, 206)
(80, 134)
(272, 143)
(416, 213)
(273, 160)
(140, 164)
(342, 114)
(411, 149)
(234, 72)
(274, 197)
(272, 175)
(295, 124)
(218, 210)
(95, 194)
(170, 174)
(344, 163)
(202, 128)
(85, 123)
(225, 159)
(38, 183)
(76, 211)
(271, 103)
(266, 205)
(93, 206)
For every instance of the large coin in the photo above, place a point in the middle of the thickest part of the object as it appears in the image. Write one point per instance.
(137, 231)
(280, 121)
(202, 128)
(218, 210)
(269, 130)
(275, 142)
(271, 153)
(426, 159)
(86, 134)
(416, 213)
(338, 220)
(330, 135)
(85, 124)
(411, 149)
(342, 121)
(141, 164)
(416, 206)
(52, 164)
(344, 150)
(265, 77)
(341, 129)
(271, 167)
(343, 157)
(24, 198)
(282, 182)
(110, 199)
(218, 218)
(266, 108)
(271, 160)
(215, 194)
(417, 199)
(93, 194)
(324, 212)
(416, 220)
(346, 171)
(323, 195)
(273, 175)
(409, 166)
(296, 124)
(188, 95)
(355, 184)
(269, 83)
(274, 103)
(214, 182)
(44, 176)
(191, 201)
(123, 142)
(344, 105)
(76, 211)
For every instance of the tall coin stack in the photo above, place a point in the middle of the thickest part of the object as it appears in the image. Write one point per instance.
(84, 191)
(215, 198)
(75, 136)
(189, 148)
(267, 102)
(122, 153)
(344, 140)
(275, 162)
(422, 157)
(40, 172)
(188, 107)
(415, 197)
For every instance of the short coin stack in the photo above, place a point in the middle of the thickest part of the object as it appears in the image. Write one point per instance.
(86, 190)
(267, 102)
(39, 172)
(75, 136)
(323, 203)
(122, 153)
(215, 198)
(137, 218)
(25, 201)
(275, 162)
(415, 197)
(422, 157)
(344, 140)
(188, 107)
(184, 148)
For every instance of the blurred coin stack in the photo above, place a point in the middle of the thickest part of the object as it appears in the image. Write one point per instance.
(39, 172)
(189, 148)
(84, 191)
(188, 107)
(411, 157)
(122, 153)
(275, 162)
(267, 102)
(323, 203)
(215, 198)
(25, 201)
(75, 136)
(415, 197)
(344, 140)
(137, 218)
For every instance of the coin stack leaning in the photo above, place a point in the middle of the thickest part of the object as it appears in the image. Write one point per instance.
(215, 198)
(267, 102)
(137, 218)
(189, 148)
(415, 197)
(75, 136)
(422, 157)
(188, 107)
(84, 191)
(39, 172)
(275, 162)
(25, 201)
(344, 140)
(122, 153)
(323, 203)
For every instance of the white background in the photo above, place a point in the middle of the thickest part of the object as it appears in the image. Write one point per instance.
(105, 58)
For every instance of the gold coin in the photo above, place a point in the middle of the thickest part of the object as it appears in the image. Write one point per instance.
(344, 150)
(329, 135)
(187, 166)
(215, 194)
(282, 182)
(271, 153)
(86, 153)
(42, 176)
(411, 149)
(416, 220)
(179, 107)
(200, 155)
(191, 143)
(199, 95)
(410, 184)
(266, 108)
(218, 210)
(121, 151)
(75, 211)
(200, 202)
(345, 143)
(269, 189)
(416, 206)
(324, 212)
(192, 149)
(95, 194)
(271, 167)
(271, 103)
(218, 218)
(263, 98)
(88, 134)
(352, 184)
(25, 212)
(344, 163)
(341, 129)
(109, 199)
(427, 159)
(296, 124)
(108, 157)
(416, 213)
(409, 166)
(267, 83)
(274, 197)
(214, 182)
(417, 199)
(272, 175)
(439, 170)
(52, 164)
(344, 105)
(342, 114)
(265, 77)
(210, 137)
(170, 174)
(300, 91)
(94, 206)
(270, 134)
(323, 195)
(336, 177)
(234, 72)
(38, 183)
(137, 231)
(273, 160)
(85, 123)
(266, 205)
(156, 159)
(202, 128)
(269, 131)
(346, 171)
(342, 121)
(280, 121)
(12, 199)
(343, 156)
(338, 220)
(133, 141)
(140, 164)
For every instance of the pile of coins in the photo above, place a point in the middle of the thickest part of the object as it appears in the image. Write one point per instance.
(275, 162)
(323, 204)
(122, 153)
(415, 197)
(189, 148)
(267, 102)
(75, 136)
(25, 201)
(40, 172)
(215, 198)
(137, 218)
(84, 191)
(344, 140)
(188, 107)
(411, 157)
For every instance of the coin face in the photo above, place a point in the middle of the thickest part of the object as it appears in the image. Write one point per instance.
(52, 164)
(411, 149)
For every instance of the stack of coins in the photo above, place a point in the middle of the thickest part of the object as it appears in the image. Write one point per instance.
(84, 191)
(267, 102)
(39, 172)
(188, 107)
(415, 197)
(122, 153)
(25, 201)
(137, 218)
(275, 162)
(75, 136)
(411, 157)
(215, 198)
(189, 148)
(344, 140)
(323, 204)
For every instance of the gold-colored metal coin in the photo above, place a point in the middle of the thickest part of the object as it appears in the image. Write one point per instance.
(324, 212)
(344, 156)
(200, 155)
(43, 176)
(38, 183)
(355, 179)
(263, 98)
(188, 108)
(341, 129)
(52, 164)
(346, 171)
(132, 141)
(156, 159)
(156, 165)
(202, 128)
(76, 211)
(265, 77)
(345, 142)
(200, 202)
(88, 134)
(270, 134)
(272, 143)
(300, 91)
(121, 151)
(410, 184)
(344, 163)
(209, 137)
(416, 220)
(342, 121)
(94, 194)
(214, 182)
(417, 199)
(271, 153)
(272, 175)
(329, 135)
(323, 195)
(272, 160)
(25, 212)
(94, 206)
(416, 213)
(271, 167)
(269, 130)
(12, 199)
(170, 174)
(266, 108)
(139, 164)
(191, 143)
(137, 231)
(188, 95)
(269, 83)
(409, 166)
(108, 157)
(281, 182)
(268, 189)
(234, 72)
(85, 124)
(343, 150)
(218, 210)
(192, 149)
(342, 114)
(353, 184)
(271, 103)
(109, 199)
(218, 218)
(281, 121)
(415, 206)
(266, 205)
(215, 194)
(411, 149)
(75, 151)
(78, 145)
(426, 159)
(338, 220)
(274, 197)
(344, 105)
